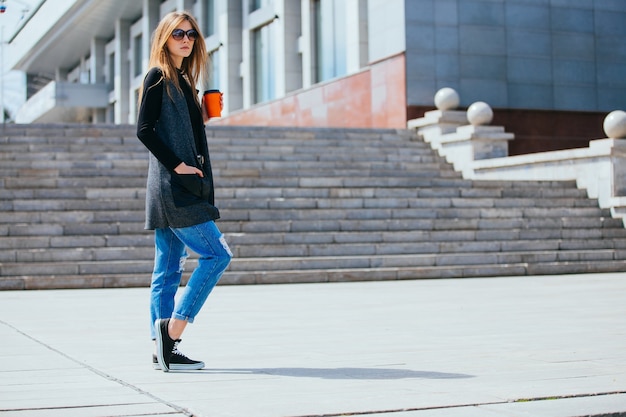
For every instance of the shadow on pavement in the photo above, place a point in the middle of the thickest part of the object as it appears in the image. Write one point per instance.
(341, 373)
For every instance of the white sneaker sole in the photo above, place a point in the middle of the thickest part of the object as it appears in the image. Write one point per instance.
(180, 367)
(159, 346)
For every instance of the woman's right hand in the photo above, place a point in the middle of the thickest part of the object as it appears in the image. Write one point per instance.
(183, 169)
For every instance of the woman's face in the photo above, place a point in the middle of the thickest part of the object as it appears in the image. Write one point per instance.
(180, 49)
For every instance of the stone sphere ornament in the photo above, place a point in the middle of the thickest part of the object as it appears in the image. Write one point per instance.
(479, 113)
(615, 124)
(447, 99)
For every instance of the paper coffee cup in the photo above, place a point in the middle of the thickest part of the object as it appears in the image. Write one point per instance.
(212, 99)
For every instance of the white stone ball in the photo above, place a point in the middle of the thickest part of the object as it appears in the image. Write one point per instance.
(479, 113)
(447, 99)
(615, 124)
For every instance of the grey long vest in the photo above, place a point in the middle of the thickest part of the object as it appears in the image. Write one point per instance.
(168, 203)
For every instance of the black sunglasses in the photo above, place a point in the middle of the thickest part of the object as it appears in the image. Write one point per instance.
(179, 34)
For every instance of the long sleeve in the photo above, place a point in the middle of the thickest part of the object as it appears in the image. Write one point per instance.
(149, 113)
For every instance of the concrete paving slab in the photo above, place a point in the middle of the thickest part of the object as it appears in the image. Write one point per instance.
(612, 405)
(515, 346)
(36, 379)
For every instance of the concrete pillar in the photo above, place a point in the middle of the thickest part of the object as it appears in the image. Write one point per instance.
(245, 67)
(305, 43)
(279, 48)
(122, 72)
(201, 15)
(97, 61)
(185, 5)
(150, 21)
(60, 74)
(230, 30)
(96, 73)
(356, 35)
(291, 30)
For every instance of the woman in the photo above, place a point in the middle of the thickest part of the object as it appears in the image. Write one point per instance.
(179, 198)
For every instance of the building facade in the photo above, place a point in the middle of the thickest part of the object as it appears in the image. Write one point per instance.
(358, 63)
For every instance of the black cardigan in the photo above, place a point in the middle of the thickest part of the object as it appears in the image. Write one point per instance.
(150, 111)
(170, 201)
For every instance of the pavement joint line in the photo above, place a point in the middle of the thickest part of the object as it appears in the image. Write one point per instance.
(444, 407)
(101, 373)
(565, 397)
(78, 407)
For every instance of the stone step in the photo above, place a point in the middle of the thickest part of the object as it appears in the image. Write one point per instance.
(55, 167)
(68, 169)
(32, 142)
(226, 195)
(71, 182)
(330, 168)
(466, 217)
(421, 272)
(69, 229)
(81, 242)
(56, 150)
(412, 170)
(315, 200)
(423, 181)
(331, 154)
(75, 223)
(36, 174)
(115, 261)
(461, 213)
(228, 136)
(577, 245)
(433, 185)
(295, 144)
(43, 132)
(324, 154)
(434, 247)
(396, 202)
(98, 155)
(233, 277)
(400, 192)
(249, 179)
(298, 205)
(25, 236)
(414, 260)
(133, 198)
(72, 254)
(523, 226)
(98, 202)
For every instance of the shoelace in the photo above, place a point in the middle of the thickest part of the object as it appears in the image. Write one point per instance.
(175, 350)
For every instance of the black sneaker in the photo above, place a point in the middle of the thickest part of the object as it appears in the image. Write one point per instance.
(164, 344)
(178, 361)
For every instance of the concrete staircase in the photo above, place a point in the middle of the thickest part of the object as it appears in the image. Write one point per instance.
(298, 205)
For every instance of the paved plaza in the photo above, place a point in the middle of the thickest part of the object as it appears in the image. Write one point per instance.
(519, 346)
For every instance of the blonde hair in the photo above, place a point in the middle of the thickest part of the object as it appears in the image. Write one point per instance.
(194, 67)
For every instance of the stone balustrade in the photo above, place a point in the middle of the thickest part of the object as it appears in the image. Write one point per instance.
(480, 151)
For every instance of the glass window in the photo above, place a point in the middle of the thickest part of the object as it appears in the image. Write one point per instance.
(264, 83)
(257, 4)
(137, 58)
(209, 29)
(111, 72)
(330, 39)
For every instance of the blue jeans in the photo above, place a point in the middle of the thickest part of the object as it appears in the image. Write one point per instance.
(170, 254)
